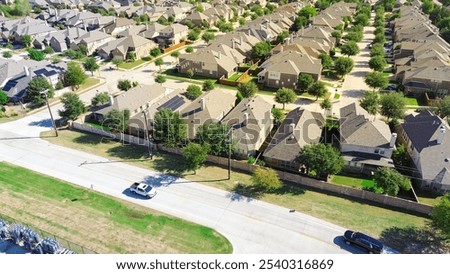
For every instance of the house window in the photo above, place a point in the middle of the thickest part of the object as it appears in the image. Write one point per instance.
(377, 151)
(289, 79)
(382, 152)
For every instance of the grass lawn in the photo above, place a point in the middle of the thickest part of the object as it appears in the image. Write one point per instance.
(352, 182)
(185, 77)
(104, 128)
(337, 96)
(234, 77)
(90, 82)
(96, 221)
(411, 101)
(344, 212)
(131, 65)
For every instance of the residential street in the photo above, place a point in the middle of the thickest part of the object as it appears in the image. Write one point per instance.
(252, 226)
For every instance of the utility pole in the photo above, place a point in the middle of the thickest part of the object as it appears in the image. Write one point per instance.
(50, 111)
(147, 136)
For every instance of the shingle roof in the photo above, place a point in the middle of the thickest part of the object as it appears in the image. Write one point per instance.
(356, 128)
(286, 146)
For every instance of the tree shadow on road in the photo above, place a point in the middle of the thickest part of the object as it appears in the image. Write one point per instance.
(415, 240)
(249, 191)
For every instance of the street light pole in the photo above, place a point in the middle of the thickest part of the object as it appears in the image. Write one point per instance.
(147, 135)
(50, 111)
(230, 142)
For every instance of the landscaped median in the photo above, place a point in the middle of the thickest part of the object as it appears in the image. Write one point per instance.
(355, 215)
(96, 221)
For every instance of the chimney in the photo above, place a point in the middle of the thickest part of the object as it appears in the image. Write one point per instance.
(245, 122)
(441, 135)
(241, 40)
(248, 32)
(393, 139)
(202, 103)
(291, 128)
(233, 46)
(281, 49)
(26, 70)
(111, 100)
(219, 55)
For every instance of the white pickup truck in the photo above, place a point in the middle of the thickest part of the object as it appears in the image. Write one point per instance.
(143, 190)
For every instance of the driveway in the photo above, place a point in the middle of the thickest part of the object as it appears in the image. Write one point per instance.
(252, 226)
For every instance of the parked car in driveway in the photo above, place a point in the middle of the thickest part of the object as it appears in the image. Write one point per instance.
(364, 241)
(143, 190)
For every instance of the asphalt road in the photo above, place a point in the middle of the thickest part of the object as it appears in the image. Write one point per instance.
(252, 226)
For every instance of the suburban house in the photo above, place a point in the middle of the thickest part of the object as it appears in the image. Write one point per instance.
(252, 122)
(417, 81)
(172, 35)
(208, 63)
(199, 19)
(318, 32)
(211, 107)
(16, 86)
(152, 31)
(283, 69)
(60, 40)
(135, 100)
(366, 143)
(296, 47)
(92, 40)
(300, 127)
(426, 138)
(118, 25)
(131, 47)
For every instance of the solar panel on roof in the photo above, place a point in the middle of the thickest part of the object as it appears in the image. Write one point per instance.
(173, 103)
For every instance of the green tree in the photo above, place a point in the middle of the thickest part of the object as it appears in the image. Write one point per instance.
(36, 54)
(391, 181)
(7, 54)
(208, 36)
(308, 12)
(190, 73)
(427, 6)
(318, 89)
(169, 128)
(208, 85)
(285, 95)
(100, 99)
(90, 64)
(377, 50)
(48, 50)
(370, 102)
(443, 107)
(193, 92)
(283, 35)
(200, 8)
(392, 105)
(26, 40)
(327, 61)
(376, 80)
(305, 81)
(117, 61)
(338, 36)
(159, 62)
(215, 136)
(193, 35)
(74, 75)
(350, 48)
(175, 55)
(35, 87)
(440, 215)
(3, 97)
(354, 36)
(124, 85)
(377, 63)
(73, 107)
(401, 157)
(343, 65)
(321, 159)
(261, 49)
(278, 116)
(155, 52)
(379, 38)
(82, 49)
(117, 120)
(266, 179)
(189, 49)
(361, 19)
(326, 104)
(242, 21)
(160, 79)
(300, 22)
(195, 155)
(248, 89)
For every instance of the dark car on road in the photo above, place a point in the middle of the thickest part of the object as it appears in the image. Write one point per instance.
(370, 244)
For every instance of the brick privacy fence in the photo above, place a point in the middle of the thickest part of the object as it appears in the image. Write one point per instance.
(339, 190)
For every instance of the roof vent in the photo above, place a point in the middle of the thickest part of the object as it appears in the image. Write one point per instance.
(447, 160)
